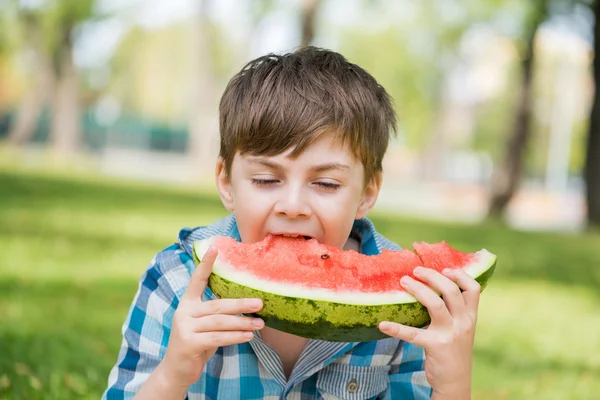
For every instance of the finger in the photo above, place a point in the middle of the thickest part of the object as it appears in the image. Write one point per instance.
(449, 290)
(212, 340)
(221, 323)
(438, 311)
(403, 332)
(199, 279)
(471, 288)
(227, 306)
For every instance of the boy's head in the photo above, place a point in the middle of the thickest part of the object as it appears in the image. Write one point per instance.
(283, 121)
(277, 102)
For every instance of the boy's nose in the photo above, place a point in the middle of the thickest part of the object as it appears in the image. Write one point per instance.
(292, 206)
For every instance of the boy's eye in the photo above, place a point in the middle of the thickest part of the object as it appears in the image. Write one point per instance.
(328, 185)
(264, 182)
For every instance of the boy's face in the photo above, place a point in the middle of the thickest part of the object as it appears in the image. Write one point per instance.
(318, 194)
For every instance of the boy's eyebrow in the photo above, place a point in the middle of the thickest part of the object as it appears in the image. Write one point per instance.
(330, 166)
(316, 168)
(265, 162)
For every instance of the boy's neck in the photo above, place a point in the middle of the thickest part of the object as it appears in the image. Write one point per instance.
(288, 347)
(352, 244)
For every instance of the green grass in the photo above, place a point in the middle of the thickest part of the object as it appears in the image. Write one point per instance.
(72, 253)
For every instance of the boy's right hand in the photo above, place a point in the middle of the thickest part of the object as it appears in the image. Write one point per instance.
(199, 328)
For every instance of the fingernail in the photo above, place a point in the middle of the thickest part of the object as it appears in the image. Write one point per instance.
(254, 303)
(257, 322)
(405, 280)
(447, 271)
(418, 270)
(385, 326)
(248, 335)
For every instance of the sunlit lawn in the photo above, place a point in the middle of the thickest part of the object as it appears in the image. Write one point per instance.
(72, 253)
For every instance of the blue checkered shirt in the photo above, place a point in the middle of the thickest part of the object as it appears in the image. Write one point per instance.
(383, 369)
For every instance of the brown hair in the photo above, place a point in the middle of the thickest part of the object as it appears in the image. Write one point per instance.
(279, 101)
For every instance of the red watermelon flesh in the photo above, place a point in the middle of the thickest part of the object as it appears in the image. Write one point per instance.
(316, 265)
(439, 256)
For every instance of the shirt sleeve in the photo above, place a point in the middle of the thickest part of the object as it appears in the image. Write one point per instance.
(407, 375)
(148, 325)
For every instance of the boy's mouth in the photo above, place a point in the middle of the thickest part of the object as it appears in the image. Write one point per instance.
(293, 235)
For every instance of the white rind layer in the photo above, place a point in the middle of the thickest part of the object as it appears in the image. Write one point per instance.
(484, 260)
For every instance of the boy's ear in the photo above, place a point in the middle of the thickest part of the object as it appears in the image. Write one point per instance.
(369, 196)
(224, 185)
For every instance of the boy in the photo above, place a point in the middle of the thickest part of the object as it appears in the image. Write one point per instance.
(302, 141)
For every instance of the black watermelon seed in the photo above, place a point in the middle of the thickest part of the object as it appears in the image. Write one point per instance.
(324, 256)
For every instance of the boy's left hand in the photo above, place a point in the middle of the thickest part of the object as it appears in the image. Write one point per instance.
(448, 340)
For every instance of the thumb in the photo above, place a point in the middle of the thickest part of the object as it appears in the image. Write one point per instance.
(199, 279)
(402, 332)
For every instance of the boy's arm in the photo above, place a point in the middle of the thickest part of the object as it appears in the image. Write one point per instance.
(145, 332)
(193, 329)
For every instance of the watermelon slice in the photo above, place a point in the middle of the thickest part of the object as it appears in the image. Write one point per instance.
(322, 292)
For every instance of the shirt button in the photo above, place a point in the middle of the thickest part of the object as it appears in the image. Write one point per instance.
(352, 386)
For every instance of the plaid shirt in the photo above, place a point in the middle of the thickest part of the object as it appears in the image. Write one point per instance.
(383, 369)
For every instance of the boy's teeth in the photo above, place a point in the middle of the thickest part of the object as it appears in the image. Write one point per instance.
(288, 235)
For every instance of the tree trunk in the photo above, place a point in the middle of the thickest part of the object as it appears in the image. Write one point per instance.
(27, 117)
(65, 130)
(309, 11)
(506, 179)
(38, 94)
(592, 161)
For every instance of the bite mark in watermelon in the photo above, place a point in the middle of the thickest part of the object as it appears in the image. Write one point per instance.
(322, 292)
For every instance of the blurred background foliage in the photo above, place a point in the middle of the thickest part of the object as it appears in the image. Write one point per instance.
(109, 133)
(495, 95)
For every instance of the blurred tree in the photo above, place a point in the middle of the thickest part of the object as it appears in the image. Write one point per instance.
(308, 13)
(592, 163)
(29, 23)
(414, 52)
(47, 32)
(62, 18)
(507, 176)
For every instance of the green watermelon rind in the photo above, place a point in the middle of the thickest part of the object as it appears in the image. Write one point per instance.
(326, 320)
